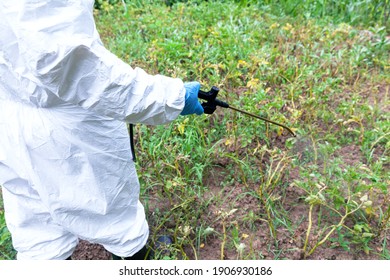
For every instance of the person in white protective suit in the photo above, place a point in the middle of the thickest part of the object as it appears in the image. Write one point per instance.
(65, 162)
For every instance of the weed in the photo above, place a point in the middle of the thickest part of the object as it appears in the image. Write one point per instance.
(6, 250)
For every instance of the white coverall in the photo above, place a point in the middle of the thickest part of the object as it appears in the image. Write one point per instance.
(65, 159)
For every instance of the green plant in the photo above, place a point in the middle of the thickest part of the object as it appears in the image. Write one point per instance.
(6, 250)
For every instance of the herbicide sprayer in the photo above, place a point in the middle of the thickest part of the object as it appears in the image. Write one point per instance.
(209, 107)
(212, 102)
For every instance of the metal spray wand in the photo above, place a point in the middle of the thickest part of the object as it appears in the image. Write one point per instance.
(212, 103)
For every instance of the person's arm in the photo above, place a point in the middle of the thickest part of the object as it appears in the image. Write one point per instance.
(59, 51)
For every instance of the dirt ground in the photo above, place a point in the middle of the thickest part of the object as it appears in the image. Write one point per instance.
(289, 245)
(258, 240)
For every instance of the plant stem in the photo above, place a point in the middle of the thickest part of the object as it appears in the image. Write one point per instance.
(223, 241)
(334, 227)
(308, 230)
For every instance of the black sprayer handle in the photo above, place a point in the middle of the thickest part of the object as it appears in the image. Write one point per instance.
(212, 101)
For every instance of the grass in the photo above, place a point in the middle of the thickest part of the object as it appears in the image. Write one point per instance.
(6, 250)
(227, 186)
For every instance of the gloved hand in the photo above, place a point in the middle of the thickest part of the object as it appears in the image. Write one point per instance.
(192, 104)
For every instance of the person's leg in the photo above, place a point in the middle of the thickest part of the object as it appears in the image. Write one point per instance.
(34, 233)
(94, 189)
(81, 180)
(129, 233)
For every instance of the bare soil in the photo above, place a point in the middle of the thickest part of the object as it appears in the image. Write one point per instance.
(259, 242)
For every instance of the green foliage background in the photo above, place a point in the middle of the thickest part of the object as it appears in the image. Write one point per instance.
(355, 12)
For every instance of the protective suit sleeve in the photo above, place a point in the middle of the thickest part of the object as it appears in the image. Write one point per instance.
(56, 51)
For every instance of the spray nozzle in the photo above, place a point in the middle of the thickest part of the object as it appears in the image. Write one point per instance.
(212, 102)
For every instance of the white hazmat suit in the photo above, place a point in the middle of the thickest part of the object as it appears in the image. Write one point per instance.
(65, 159)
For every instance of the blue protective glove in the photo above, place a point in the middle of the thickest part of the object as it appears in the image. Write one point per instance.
(192, 104)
